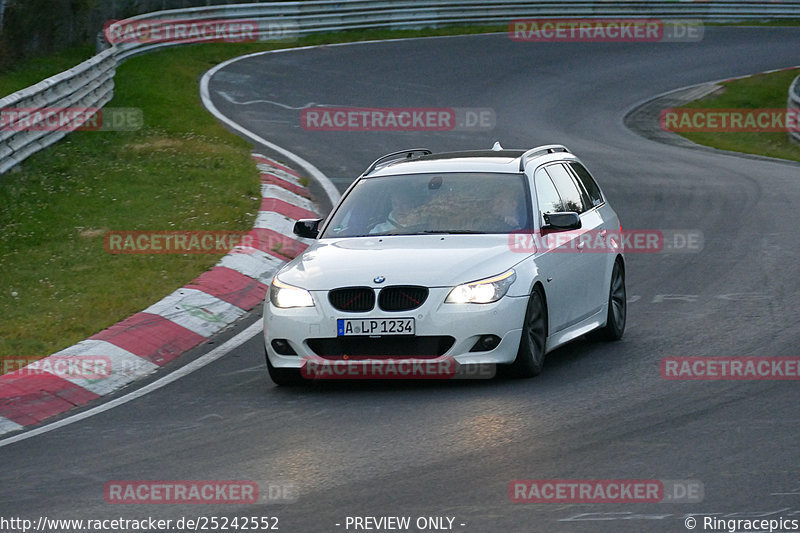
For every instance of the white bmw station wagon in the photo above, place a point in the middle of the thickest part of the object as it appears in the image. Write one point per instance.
(465, 259)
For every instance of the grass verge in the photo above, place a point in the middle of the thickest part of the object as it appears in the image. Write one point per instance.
(181, 171)
(759, 91)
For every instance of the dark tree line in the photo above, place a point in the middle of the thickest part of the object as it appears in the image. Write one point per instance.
(36, 27)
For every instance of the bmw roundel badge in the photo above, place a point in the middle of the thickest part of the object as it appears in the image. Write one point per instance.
(379, 279)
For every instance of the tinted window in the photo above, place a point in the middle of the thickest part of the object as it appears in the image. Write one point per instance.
(547, 197)
(566, 188)
(588, 183)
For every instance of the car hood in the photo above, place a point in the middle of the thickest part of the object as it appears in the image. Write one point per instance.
(428, 260)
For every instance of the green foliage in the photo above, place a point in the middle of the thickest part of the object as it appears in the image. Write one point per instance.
(759, 91)
(182, 171)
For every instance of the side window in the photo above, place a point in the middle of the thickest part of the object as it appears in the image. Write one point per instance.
(588, 183)
(546, 194)
(566, 187)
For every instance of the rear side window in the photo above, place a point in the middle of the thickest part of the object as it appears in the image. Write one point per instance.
(546, 194)
(566, 187)
(588, 183)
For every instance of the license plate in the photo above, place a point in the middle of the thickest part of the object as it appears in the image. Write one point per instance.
(374, 326)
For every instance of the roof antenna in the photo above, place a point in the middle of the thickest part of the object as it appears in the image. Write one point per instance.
(497, 147)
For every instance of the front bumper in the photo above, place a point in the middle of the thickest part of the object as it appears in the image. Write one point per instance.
(442, 330)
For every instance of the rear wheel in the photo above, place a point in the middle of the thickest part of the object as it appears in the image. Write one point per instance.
(530, 356)
(283, 376)
(617, 306)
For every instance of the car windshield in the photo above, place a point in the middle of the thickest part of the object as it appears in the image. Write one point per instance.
(418, 204)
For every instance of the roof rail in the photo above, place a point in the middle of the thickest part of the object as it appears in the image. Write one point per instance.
(394, 156)
(540, 150)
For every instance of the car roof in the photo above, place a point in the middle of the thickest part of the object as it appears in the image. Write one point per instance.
(500, 160)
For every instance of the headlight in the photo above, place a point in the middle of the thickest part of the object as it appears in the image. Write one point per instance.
(483, 291)
(283, 295)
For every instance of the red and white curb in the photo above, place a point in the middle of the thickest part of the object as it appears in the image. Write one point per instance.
(146, 341)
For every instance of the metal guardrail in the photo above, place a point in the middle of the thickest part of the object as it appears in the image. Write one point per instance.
(793, 102)
(91, 83)
(88, 85)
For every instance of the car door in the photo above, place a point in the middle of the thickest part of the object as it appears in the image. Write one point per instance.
(585, 262)
(606, 225)
(554, 263)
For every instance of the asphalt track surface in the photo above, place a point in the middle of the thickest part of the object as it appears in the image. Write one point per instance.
(599, 411)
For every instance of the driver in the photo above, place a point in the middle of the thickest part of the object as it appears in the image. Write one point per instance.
(403, 203)
(504, 210)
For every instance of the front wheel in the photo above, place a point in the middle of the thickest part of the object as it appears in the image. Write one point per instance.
(617, 306)
(530, 356)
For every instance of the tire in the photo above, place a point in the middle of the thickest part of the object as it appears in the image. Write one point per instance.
(284, 377)
(617, 307)
(530, 356)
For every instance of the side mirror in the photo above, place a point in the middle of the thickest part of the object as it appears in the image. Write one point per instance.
(307, 227)
(562, 221)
